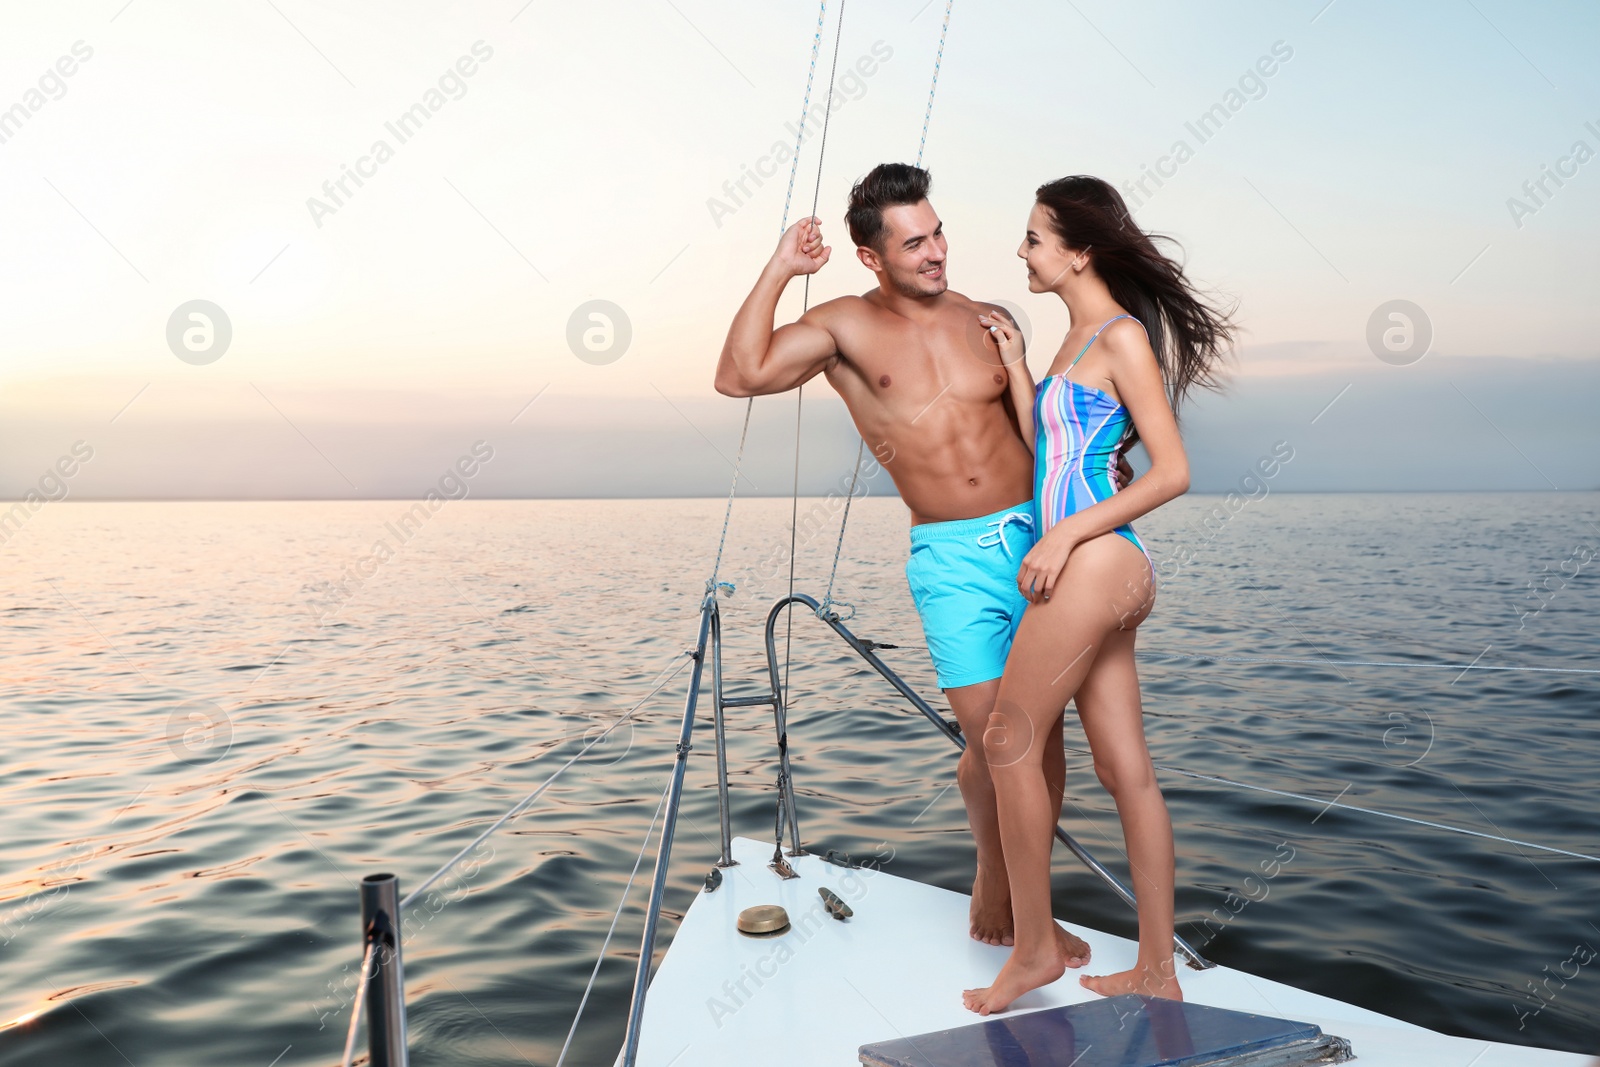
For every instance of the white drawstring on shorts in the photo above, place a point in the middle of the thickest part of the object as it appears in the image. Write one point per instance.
(996, 535)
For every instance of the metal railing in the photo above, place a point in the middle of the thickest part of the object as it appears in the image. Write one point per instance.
(867, 651)
(384, 982)
(382, 987)
(658, 885)
(382, 990)
(381, 995)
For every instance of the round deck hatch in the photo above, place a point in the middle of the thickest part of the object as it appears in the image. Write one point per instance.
(763, 920)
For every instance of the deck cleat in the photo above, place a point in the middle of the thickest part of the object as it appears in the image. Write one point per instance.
(836, 907)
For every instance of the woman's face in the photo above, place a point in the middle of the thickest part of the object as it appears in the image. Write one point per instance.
(1047, 256)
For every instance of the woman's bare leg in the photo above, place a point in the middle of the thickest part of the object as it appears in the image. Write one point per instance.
(1108, 705)
(990, 915)
(1103, 589)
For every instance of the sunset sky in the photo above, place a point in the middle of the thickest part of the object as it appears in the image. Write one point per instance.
(560, 154)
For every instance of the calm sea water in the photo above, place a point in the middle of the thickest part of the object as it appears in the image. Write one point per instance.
(218, 717)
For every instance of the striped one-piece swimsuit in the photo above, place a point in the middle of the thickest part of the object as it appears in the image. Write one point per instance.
(1079, 432)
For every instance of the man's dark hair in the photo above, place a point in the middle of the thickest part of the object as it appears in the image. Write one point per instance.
(885, 185)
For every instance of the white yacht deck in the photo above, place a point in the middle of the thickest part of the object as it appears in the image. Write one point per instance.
(815, 994)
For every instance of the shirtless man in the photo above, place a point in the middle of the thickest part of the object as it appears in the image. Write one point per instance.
(929, 395)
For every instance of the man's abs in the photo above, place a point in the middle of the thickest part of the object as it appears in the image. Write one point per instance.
(928, 399)
(978, 466)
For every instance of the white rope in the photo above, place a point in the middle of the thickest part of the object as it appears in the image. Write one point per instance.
(927, 117)
(788, 197)
(805, 112)
(584, 1001)
(356, 1004)
(522, 804)
(827, 598)
(1152, 654)
(788, 200)
(1365, 811)
(1375, 811)
(805, 304)
(733, 490)
(938, 61)
(1367, 663)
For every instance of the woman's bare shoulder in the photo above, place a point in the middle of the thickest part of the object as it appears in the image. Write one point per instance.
(1126, 341)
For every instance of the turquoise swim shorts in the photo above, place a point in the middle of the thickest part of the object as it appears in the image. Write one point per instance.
(963, 577)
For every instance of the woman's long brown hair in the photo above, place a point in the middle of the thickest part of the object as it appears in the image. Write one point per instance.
(1190, 335)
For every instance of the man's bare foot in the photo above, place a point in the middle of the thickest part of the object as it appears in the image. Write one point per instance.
(1074, 949)
(991, 908)
(1018, 976)
(1152, 981)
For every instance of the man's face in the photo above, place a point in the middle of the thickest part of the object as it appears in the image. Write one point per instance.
(912, 255)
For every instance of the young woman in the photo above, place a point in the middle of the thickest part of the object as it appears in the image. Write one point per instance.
(1141, 338)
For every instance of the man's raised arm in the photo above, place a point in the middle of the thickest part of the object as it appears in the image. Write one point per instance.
(756, 359)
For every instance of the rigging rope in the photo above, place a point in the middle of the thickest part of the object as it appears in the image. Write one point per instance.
(584, 1001)
(713, 585)
(521, 805)
(938, 61)
(727, 515)
(788, 198)
(805, 305)
(799, 394)
(1334, 803)
(1463, 667)
(805, 111)
(1374, 811)
(826, 607)
(355, 1006)
(927, 116)
(685, 658)
(788, 201)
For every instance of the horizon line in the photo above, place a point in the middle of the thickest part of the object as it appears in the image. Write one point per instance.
(9, 501)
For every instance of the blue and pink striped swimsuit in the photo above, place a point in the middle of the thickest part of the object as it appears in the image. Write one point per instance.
(1079, 431)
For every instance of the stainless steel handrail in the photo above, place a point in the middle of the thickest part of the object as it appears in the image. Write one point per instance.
(780, 718)
(779, 700)
(386, 996)
(658, 885)
(718, 703)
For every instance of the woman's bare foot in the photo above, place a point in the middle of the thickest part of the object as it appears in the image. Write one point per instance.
(991, 908)
(1074, 949)
(1153, 980)
(1019, 975)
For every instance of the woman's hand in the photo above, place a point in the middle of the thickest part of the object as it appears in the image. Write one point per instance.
(1020, 394)
(1042, 566)
(1124, 470)
(1005, 336)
